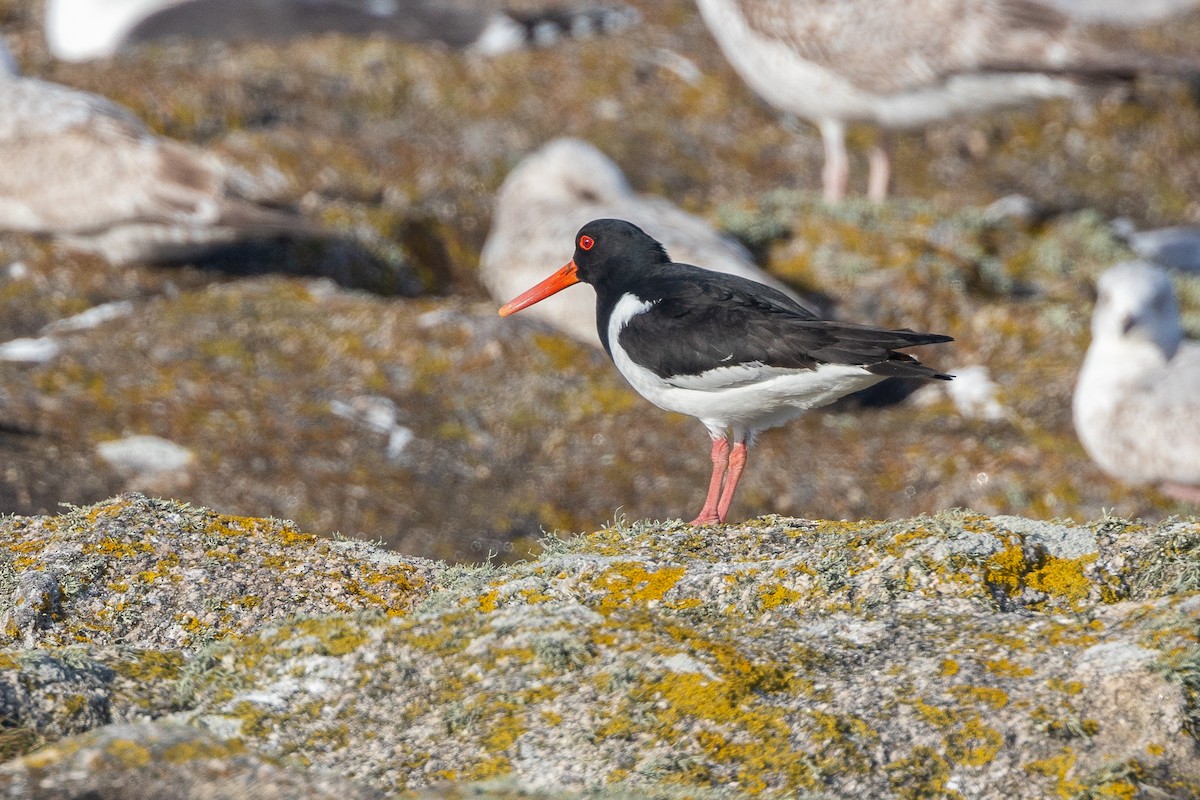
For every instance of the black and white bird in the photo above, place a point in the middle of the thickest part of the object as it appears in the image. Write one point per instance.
(1137, 399)
(83, 169)
(739, 356)
(81, 30)
(903, 64)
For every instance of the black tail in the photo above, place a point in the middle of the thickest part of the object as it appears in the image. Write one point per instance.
(875, 349)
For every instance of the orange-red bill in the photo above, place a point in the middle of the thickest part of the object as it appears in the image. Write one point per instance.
(554, 284)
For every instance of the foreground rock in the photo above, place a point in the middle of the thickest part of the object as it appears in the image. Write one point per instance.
(934, 656)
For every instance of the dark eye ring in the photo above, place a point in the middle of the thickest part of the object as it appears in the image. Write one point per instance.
(586, 242)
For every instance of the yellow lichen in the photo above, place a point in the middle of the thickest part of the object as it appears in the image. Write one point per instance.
(128, 753)
(629, 583)
(777, 595)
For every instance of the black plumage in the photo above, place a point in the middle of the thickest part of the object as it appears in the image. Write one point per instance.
(703, 320)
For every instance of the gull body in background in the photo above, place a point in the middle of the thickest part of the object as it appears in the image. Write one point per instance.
(88, 172)
(739, 356)
(1123, 12)
(901, 64)
(1176, 247)
(81, 30)
(554, 191)
(1137, 399)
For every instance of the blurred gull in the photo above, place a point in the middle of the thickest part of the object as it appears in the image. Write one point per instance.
(1137, 400)
(554, 191)
(85, 170)
(79, 30)
(1130, 13)
(903, 64)
(1177, 247)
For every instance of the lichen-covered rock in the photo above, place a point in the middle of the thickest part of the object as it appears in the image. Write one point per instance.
(163, 575)
(60, 691)
(947, 655)
(996, 658)
(149, 761)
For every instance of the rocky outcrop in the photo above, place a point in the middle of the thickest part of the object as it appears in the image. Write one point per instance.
(933, 656)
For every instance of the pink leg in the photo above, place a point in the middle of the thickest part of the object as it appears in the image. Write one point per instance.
(836, 176)
(720, 460)
(1179, 491)
(737, 463)
(880, 176)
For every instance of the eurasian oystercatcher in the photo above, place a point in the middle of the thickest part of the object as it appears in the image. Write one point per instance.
(739, 356)
(904, 64)
(559, 187)
(82, 168)
(1137, 400)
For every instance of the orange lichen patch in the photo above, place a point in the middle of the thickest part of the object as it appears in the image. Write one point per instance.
(777, 595)
(988, 695)
(629, 583)
(1007, 668)
(1058, 767)
(117, 548)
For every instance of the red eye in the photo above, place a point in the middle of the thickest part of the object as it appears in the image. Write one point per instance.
(586, 242)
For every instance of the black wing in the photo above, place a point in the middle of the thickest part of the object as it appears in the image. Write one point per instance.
(707, 322)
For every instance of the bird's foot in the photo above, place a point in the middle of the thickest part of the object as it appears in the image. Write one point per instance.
(706, 518)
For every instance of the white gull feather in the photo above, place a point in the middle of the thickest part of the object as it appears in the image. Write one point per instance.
(1137, 399)
(556, 190)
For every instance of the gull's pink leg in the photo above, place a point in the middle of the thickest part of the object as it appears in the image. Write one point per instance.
(880, 176)
(737, 463)
(835, 178)
(720, 460)
(1179, 491)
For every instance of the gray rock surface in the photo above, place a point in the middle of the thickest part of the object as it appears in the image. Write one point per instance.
(992, 657)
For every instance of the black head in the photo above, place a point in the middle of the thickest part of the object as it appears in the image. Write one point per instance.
(608, 252)
(605, 249)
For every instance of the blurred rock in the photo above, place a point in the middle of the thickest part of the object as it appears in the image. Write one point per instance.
(148, 761)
